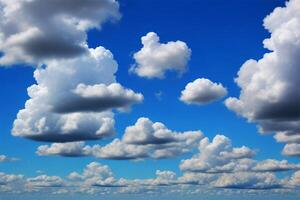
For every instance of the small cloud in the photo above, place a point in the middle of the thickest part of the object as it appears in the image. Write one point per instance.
(202, 91)
(156, 58)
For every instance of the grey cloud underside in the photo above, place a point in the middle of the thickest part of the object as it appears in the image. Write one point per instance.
(287, 110)
(91, 104)
(251, 187)
(42, 47)
(71, 136)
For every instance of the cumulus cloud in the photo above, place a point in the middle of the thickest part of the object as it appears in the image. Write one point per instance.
(75, 90)
(10, 182)
(69, 149)
(9, 178)
(98, 178)
(295, 179)
(156, 58)
(202, 91)
(73, 98)
(269, 93)
(248, 181)
(291, 150)
(219, 156)
(145, 139)
(96, 174)
(50, 28)
(44, 181)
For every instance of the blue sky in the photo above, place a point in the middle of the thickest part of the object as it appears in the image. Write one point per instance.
(221, 35)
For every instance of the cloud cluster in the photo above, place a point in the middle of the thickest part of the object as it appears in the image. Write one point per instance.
(49, 28)
(156, 58)
(217, 165)
(145, 139)
(72, 99)
(225, 166)
(202, 91)
(98, 178)
(269, 93)
(76, 89)
(219, 156)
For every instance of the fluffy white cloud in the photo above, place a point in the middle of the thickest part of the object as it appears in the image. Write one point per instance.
(145, 139)
(269, 87)
(73, 98)
(44, 181)
(202, 91)
(96, 174)
(36, 30)
(69, 149)
(219, 156)
(248, 181)
(295, 179)
(291, 149)
(10, 182)
(97, 178)
(214, 157)
(76, 87)
(156, 58)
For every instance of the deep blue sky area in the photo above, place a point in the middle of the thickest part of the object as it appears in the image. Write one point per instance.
(222, 36)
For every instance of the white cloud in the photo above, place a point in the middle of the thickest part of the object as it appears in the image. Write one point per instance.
(219, 156)
(69, 149)
(145, 139)
(295, 179)
(8, 178)
(214, 157)
(97, 178)
(96, 174)
(49, 28)
(269, 87)
(73, 98)
(202, 91)
(248, 181)
(156, 58)
(44, 181)
(291, 149)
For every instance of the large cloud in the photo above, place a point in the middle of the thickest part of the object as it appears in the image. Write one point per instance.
(202, 91)
(145, 139)
(37, 30)
(76, 87)
(269, 87)
(73, 98)
(219, 156)
(155, 58)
